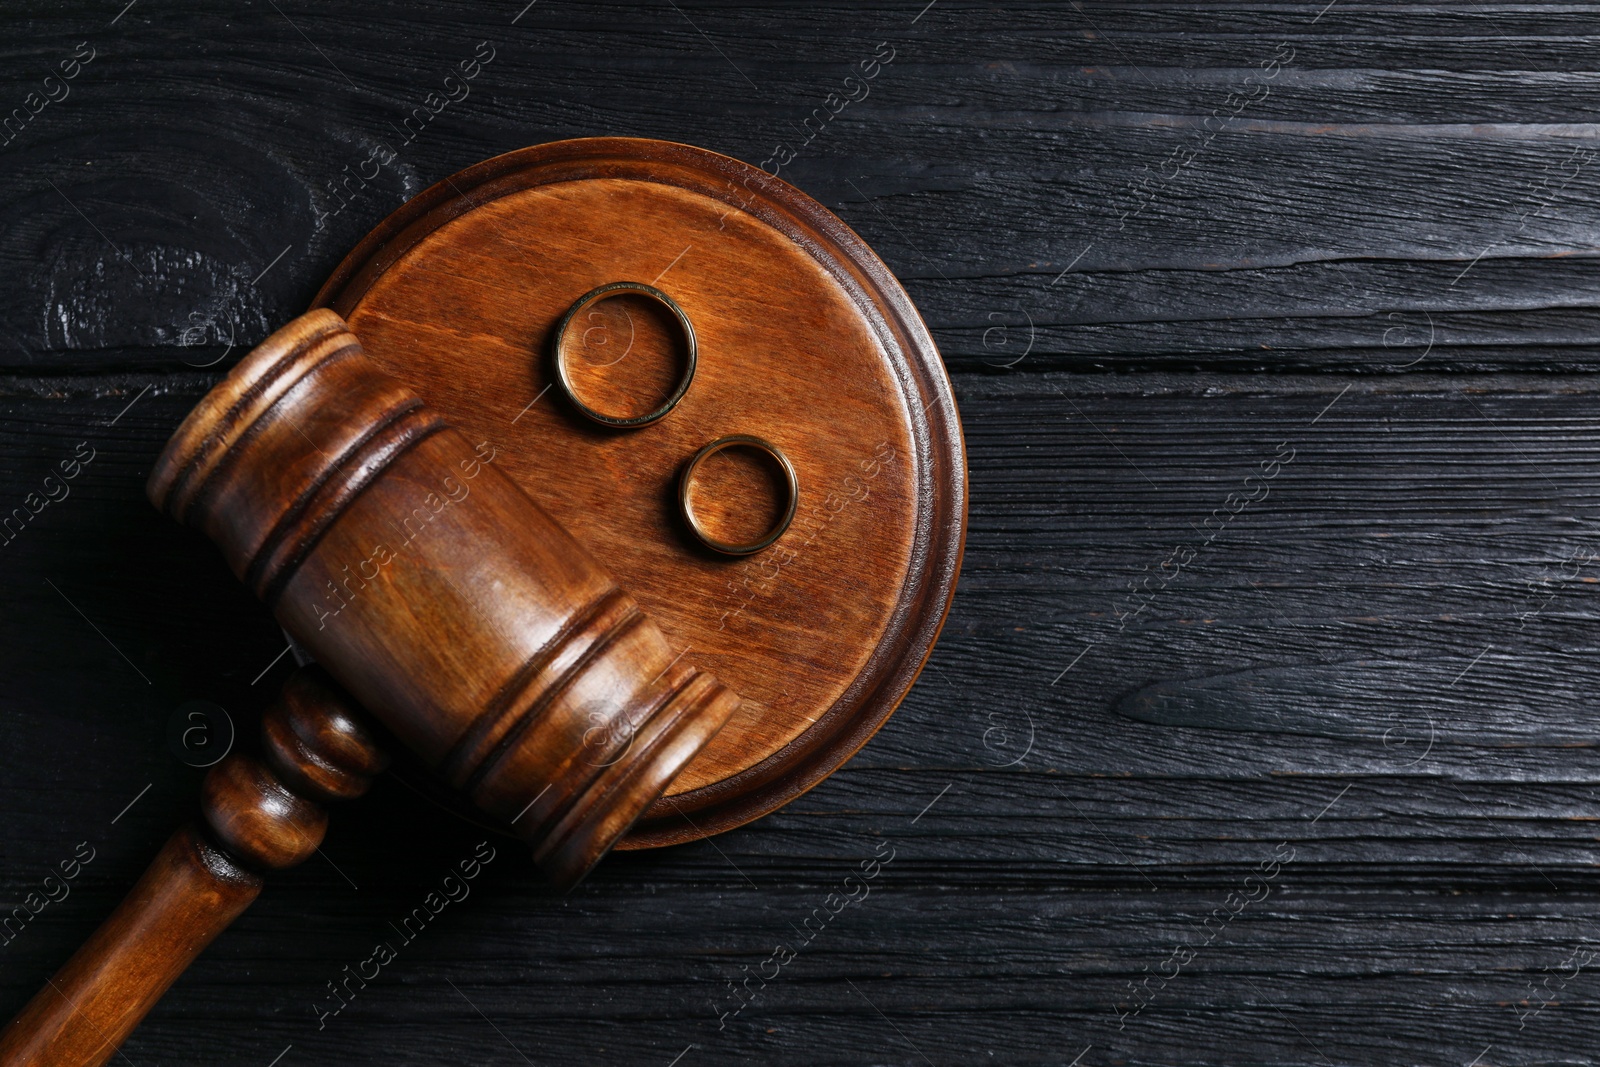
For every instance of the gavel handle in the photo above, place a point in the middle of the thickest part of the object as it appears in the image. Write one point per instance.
(187, 897)
(260, 814)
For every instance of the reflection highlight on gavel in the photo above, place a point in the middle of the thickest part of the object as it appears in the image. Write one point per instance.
(434, 594)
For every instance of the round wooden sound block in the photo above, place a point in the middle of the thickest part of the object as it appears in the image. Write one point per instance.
(804, 340)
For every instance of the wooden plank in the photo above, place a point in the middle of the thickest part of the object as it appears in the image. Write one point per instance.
(1398, 543)
(1255, 241)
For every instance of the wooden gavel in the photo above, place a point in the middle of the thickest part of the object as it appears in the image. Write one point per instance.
(440, 598)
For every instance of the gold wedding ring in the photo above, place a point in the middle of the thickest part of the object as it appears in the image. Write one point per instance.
(605, 292)
(791, 488)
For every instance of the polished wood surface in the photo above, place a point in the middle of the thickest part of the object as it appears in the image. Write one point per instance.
(447, 602)
(189, 895)
(805, 339)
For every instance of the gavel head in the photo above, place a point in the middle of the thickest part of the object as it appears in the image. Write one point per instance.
(438, 593)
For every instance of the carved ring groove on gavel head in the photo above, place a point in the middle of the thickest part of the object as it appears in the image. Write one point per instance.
(443, 598)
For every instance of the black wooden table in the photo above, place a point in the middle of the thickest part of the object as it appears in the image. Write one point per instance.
(1260, 731)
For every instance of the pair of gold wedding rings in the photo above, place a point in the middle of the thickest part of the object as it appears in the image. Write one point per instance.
(563, 381)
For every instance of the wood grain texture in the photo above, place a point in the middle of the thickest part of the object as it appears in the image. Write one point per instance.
(1440, 510)
(190, 893)
(462, 616)
(203, 878)
(806, 340)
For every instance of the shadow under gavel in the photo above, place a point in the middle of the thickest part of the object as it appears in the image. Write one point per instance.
(440, 598)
